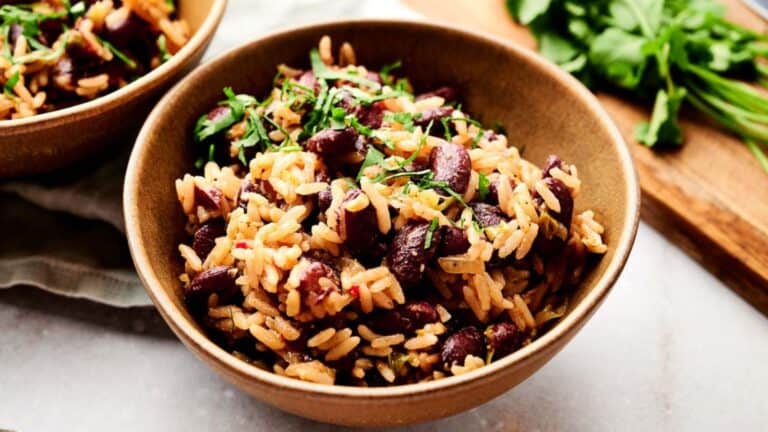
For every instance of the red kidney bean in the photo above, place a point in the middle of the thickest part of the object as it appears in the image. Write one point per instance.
(404, 319)
(504, 338)
(451, 164)
(245, 187)
(368, 115)
(205, 237)
(433, 115)
(418, 314)
(490, 135)
(493, 191)
(50, 29)
(453, 242)
(216, 280)
(548, 243)
(373, 76)
(386, 322)
(324, 199)
(552, 162)
(261, 187)
(14, 32)
(64, 72)
(371, 115)
(447, 93)
(488, 215)
(84, 54)
(124, 31)
(209, 199)
(564, 196)
(407, 257)
(333, 142)
(310, 284)
(308, 80)
(467, 341)
(358, 230)
(322, 175)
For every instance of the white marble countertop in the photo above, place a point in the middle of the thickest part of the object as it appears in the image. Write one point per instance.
(671, 349)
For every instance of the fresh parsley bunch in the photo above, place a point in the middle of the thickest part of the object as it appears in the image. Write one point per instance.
(678, 50)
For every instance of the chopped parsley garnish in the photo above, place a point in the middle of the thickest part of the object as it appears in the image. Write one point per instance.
(359, 127)
(483, 186)
(416, 152)
(498, 128)
(322, 72)
(367, 99)
(372, 157)
(404, 118)
(446, 128)
(117, 53)
(386, 71)
(476, 225)
(383, 178)
(11, 83)
(403, 85)
(163, 47)
(479, 125)
(430, 232)
(206, 127)
(338, 118)
(24, 16)
(77, 10)
(255, 133)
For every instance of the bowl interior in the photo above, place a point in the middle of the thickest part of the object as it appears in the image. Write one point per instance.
(543, 111)
(194, 12)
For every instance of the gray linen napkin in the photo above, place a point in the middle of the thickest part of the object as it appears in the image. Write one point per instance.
(64, 232)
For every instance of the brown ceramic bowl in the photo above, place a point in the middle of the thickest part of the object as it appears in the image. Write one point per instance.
(544, 110)
(53, 140)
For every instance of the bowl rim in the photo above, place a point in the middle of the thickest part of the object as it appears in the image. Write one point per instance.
(149, 80)
(204, 347)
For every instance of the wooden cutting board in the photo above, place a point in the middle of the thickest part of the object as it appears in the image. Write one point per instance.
(710, 197)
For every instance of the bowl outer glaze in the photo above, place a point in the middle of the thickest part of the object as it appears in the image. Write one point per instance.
(544, 110)
(53, 140)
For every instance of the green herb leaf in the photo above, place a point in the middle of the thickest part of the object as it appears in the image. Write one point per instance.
(620, 57)
(372, 157)
(119, 54)
(162, 45)
(77, 10)
(525, 11)
(322, 72)
(11, 83)
(386, 71)
(383, 178)
(206, 127)
(637, 15)
(404, 118)
(663, 128)
(430, 232)
(483, 186)
(416, 152)
(338, 117)
(24, 16)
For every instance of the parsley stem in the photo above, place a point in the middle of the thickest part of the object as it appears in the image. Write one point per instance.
(758, 152)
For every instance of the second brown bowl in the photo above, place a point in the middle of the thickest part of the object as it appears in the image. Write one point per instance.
(52, 140)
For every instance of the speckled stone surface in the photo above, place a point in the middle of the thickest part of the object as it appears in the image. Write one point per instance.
(672, 349)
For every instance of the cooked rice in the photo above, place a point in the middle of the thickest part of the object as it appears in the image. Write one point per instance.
(312, 308)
